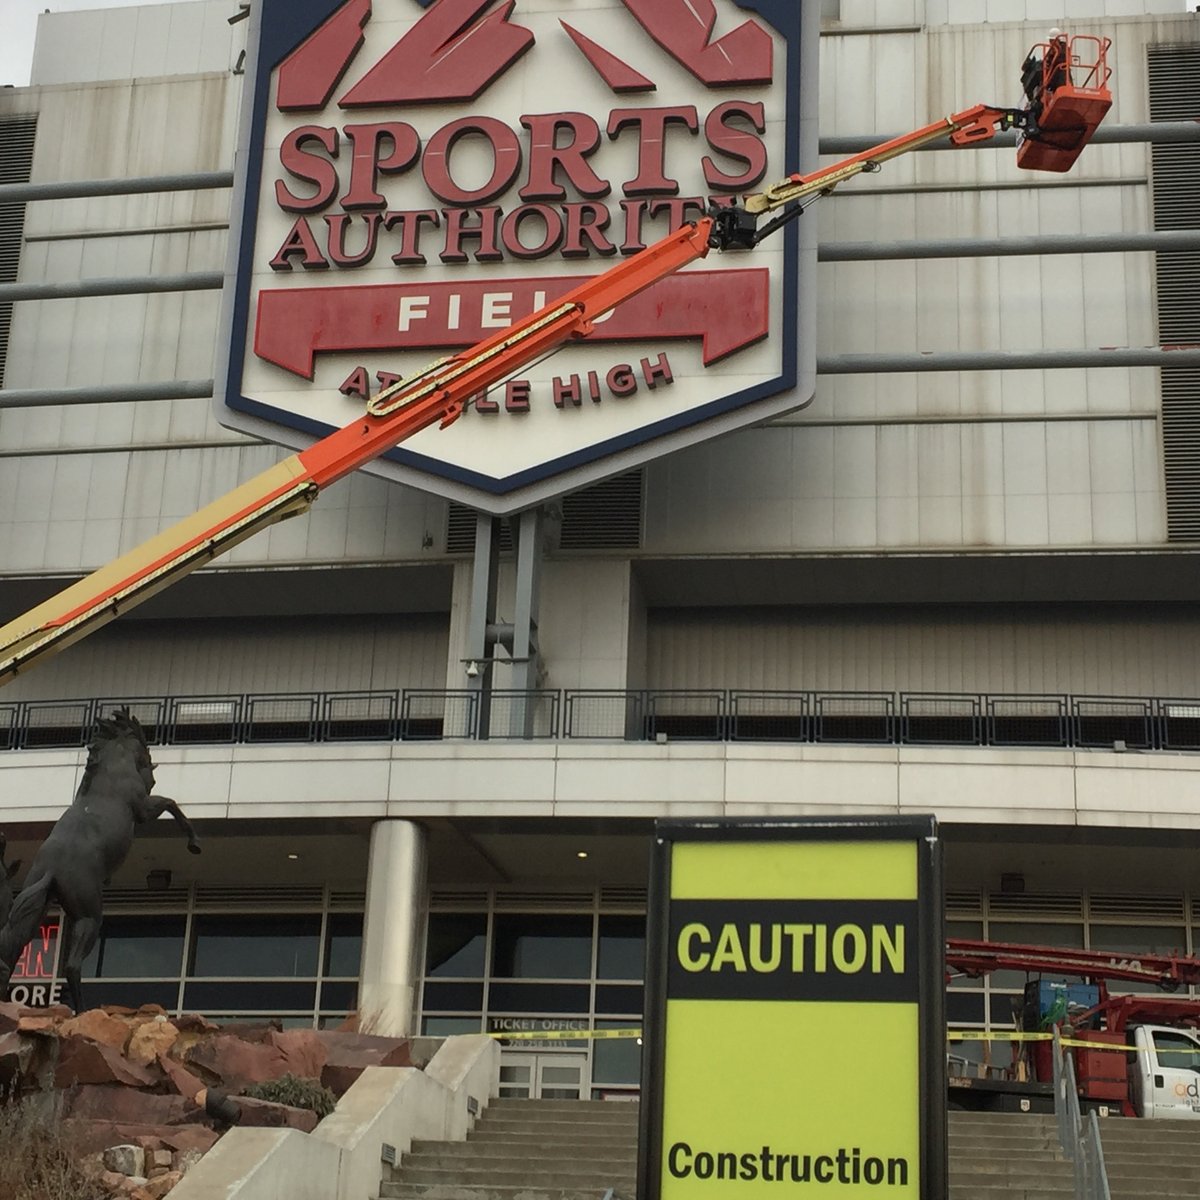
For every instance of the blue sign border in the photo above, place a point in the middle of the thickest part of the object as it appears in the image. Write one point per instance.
(284, 25)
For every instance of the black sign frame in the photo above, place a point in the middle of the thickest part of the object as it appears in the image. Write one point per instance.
(930, 902)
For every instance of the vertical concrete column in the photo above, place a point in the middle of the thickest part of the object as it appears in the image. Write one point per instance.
(392, 948)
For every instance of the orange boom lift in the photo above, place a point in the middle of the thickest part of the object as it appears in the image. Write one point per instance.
(1066, 87)
(441, 393)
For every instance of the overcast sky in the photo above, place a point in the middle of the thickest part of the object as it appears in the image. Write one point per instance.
(18, 22)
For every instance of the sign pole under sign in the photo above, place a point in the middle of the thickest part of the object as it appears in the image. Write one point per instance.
(794, 1023)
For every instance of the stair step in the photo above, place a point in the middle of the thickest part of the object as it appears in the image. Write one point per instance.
(534, 1174)
(453, 1157)
(530, 1140)
(403, 1191)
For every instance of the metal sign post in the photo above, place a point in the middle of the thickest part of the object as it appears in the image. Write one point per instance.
(794, 1013)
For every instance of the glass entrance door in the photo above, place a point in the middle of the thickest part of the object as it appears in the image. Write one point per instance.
(550, 1076)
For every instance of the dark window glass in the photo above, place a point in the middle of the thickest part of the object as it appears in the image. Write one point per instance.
(452, 997)
(1004, 1009)
(1036, 934)
(542, 946)
(455, 944)
(249, 997)
(137, 948)
(255, 947)
(612, 998)
(131, 995)
(622, 949)
(448, 1026)
(339, 995)
(964, 1008)
(616, 1060)
(1128, 941)
(537, 998)
(343, 944)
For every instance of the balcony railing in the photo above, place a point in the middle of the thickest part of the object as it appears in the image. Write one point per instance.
(646, 715)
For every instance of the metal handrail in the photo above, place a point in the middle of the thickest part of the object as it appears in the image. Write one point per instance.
(635, 715)
(1078, 1139)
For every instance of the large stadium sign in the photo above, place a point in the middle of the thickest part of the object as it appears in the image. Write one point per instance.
(414, 176)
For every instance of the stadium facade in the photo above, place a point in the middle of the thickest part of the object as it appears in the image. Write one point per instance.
(968, 590)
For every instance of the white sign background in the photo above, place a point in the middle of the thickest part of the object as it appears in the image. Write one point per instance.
(505, 461)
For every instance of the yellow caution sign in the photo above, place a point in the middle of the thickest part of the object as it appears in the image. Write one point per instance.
(772, 945)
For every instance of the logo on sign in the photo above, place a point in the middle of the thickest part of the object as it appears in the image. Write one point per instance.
(421, 175)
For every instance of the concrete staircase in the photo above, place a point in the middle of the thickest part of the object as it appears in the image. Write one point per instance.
(534, 1149)
(578, 1149)
(1007, 1156)
(1011, 1156)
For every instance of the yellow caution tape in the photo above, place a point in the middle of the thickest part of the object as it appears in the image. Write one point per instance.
(562, 1035)
(997, 1035)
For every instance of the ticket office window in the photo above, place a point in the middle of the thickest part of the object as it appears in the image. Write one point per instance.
(541, 966)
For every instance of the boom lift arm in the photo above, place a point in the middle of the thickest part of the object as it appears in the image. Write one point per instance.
(438, 395)
(974, 959)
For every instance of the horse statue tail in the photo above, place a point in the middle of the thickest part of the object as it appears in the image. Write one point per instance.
(23, 919)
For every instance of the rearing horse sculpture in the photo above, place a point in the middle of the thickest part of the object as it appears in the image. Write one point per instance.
(7, 874)
(87, 844)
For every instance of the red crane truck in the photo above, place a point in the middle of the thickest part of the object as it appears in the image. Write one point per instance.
(1135, 1055)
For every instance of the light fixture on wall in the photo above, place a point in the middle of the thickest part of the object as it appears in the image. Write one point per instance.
(1012, 883)
(158, 880)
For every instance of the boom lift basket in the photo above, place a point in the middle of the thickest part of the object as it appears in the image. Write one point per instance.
(1066, 86)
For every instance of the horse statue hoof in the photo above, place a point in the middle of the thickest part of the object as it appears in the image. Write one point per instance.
(193, 848)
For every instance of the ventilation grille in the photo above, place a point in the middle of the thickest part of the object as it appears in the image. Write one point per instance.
(963, 903)
(356, 901)
(1174, 77)
(449, 898)
(460, 531)
(158, 899)
(605, 516)
(1123, 907)
(1043, 904)
(16, 161)
(536, 901)
(264, 897)
(623, 897)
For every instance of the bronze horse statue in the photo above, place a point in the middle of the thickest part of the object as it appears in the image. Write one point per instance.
(87, 844)
(7, 875)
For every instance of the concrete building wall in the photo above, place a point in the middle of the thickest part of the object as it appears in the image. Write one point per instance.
(1040, 649)
(1006, 460)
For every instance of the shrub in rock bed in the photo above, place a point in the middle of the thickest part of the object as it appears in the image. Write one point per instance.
(294, 1091)
(36, 1161)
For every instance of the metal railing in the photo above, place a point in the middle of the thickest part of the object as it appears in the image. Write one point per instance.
(640, 715)
(1079, 1138)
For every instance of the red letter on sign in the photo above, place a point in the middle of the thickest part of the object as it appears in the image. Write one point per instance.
(366, 163)
(736, 143)
(651, 125)
(299, 241)
(312, 168)
(683, 28)
(545, 155)
(506, 156)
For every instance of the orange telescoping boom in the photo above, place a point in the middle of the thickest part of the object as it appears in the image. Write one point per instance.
(438, 395)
